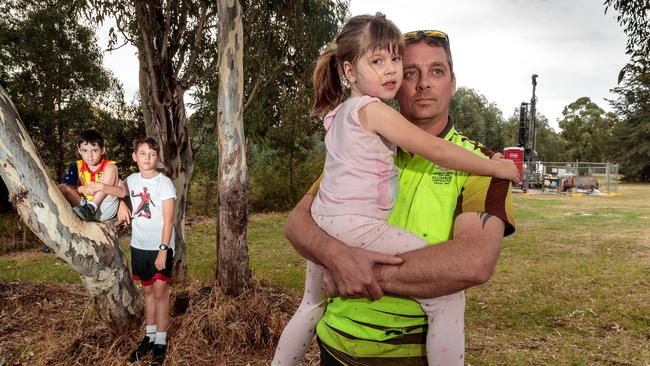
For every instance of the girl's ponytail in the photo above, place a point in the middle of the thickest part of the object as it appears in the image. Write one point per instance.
(328, 89)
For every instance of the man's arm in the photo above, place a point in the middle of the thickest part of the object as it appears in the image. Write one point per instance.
(467, 260)
(351, 269)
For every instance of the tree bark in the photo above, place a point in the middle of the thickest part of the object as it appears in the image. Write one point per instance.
(90, 249)
(233, 272)
(165, 121)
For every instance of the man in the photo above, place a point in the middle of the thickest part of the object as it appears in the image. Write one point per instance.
(465, 217)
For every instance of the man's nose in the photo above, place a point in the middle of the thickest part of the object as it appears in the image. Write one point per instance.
(423, 83)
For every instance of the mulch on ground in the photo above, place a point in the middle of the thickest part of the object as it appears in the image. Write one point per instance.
(55, 324)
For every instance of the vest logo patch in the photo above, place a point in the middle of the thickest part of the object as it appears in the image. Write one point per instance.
(441, 176)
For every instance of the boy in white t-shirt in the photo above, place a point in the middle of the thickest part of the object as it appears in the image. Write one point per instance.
(152, 196)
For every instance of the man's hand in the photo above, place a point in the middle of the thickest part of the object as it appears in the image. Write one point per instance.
(123, 213)
(350, 269)
(161, 259)
(351, 273)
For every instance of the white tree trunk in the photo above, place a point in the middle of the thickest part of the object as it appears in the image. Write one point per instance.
(91, 249)
(233, 271)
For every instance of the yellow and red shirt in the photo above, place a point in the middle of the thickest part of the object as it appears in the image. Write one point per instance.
(80, 174)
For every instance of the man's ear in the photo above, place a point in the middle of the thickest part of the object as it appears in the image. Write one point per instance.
(453, 85)
(348, 70)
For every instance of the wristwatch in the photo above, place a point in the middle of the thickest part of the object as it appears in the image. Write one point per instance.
(163, 247)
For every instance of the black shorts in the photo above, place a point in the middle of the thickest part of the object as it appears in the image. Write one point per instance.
(326, 359)
(143, 266)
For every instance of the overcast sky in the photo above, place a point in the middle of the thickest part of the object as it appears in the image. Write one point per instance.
(497, 45)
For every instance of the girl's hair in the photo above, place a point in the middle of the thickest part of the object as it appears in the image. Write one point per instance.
(359, 35)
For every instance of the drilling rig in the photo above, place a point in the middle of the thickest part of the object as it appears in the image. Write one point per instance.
(524, 155)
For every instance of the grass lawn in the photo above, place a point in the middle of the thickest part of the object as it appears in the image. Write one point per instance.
(572, 286)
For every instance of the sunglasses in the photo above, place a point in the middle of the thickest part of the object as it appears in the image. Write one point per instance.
(421, 34)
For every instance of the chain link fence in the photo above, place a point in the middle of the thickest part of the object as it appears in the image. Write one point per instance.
(572, 177)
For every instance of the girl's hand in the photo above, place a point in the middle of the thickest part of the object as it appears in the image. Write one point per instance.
(506, 169)
(161, 259)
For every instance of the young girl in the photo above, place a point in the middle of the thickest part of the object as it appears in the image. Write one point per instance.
(360, 184)
(153, 195)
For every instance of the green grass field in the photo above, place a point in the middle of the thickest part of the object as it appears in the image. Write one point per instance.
(572, 286)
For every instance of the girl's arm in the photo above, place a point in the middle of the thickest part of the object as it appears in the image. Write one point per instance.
(387, 122)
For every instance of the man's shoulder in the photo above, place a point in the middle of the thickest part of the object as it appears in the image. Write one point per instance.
(460, 139)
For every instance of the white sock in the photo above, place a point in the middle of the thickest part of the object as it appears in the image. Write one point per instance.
(150, 331)
(82, 201)
(161, 338)
(93, 204)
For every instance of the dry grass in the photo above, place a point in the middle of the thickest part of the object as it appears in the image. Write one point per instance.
(571, 288)
(51, 324)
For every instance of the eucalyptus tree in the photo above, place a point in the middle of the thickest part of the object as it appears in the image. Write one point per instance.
(632, 133)
(177, 47)
(283, 40)
(52, 69)
(588, 130)
(91, 249)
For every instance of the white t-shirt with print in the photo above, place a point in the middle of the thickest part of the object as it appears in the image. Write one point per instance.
(147, 196)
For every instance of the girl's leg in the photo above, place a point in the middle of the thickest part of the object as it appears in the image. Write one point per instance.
(446, 335)
(445, 314)
(298, 333)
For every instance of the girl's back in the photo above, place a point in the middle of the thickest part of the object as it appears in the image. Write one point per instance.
(360, 176)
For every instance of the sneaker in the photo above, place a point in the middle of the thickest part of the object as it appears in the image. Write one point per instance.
(143, 349)
(85, 212)
(159, 351)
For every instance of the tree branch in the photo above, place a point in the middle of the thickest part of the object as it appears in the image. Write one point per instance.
(262, 80)
(168, 23)
(197, 44)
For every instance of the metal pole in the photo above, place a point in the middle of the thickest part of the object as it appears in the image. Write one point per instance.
(607, 177)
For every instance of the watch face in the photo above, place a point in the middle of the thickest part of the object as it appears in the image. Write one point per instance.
(162, 247)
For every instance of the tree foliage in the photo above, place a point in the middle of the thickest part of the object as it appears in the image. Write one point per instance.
(588, 130)
(634, 16)
(633, 104)
(177, 47)
(283, 40)
(478, 118)
(632, 133)
(52, 68)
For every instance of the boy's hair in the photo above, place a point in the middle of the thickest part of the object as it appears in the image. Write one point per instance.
(153, 144)
(91, 137)
(359, 35)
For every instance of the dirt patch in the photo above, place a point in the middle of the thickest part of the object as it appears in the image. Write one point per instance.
(51, 324)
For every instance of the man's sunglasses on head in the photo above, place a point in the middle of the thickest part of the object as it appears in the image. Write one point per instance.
(421, 34)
